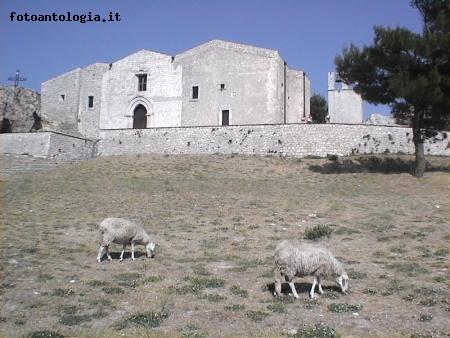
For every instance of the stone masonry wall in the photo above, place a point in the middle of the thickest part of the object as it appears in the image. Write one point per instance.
(35, 144)
(47, 145)
(297, 140)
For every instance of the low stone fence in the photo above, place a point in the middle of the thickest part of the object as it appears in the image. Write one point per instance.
(47, 144)
(296, 140)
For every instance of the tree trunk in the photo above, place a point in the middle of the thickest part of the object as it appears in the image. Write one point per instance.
(419, 167)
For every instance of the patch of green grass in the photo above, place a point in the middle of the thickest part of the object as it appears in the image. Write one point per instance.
(344, 307)
(213, 298)
(209, 283)
(43, 277)
(442, 252)
(318, 231)
(196, 284)
(426, 296)
(236, 290)
(63, 292)
(424, 317)
(192, 331)
(309, 303)
(148, 319)
(153, 279)
(408, 269)
(398, 250)
(277, 307)
(235, 307)
(113, 290)
(316, 332)
(394, 285)
(201, 270)
(7, 285)
(68, 315)
(243, 264)
(256, 316)
(97, 283)
(44, 334)
(128, 279)
(355, 274)
(440, 279)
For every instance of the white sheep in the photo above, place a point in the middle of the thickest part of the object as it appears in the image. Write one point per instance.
(122, 231)
(293, 258)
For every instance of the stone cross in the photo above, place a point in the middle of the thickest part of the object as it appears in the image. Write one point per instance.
(17, 78)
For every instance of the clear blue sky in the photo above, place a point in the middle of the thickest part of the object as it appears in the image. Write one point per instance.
(308, 34)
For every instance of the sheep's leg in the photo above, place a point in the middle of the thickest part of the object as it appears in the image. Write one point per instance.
(107, 252)
(132, 251)
(292, 285)
(123, 251)
(278, 279)
(311, 293)
(319, 282)
(100, 254)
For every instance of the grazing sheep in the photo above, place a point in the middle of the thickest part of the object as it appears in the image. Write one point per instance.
(293, 258)
(122, 231)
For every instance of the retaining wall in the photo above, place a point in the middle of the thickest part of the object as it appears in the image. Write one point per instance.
(297, 140)
(47, 145)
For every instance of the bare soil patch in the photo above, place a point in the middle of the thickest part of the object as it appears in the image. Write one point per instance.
(217, 220)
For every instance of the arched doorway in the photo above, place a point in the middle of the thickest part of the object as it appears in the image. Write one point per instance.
(140, 117)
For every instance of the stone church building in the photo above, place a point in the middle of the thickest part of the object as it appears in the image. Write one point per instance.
(218, 83)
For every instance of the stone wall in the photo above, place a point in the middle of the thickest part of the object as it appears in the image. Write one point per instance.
(90, 85)
(60, 100)
(253, 80)
(35, 144)
(297, 140)
(121, 95)
(47, 145)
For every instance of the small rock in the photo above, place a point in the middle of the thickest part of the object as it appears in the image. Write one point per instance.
(36, 293)
(355, 313)
(72, 281)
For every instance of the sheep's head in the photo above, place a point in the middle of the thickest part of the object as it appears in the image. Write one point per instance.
(151, 249)
(342, 282)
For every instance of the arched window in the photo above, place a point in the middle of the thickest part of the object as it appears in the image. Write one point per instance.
(140, 117)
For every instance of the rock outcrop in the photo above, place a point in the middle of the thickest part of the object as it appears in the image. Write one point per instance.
(19, 109)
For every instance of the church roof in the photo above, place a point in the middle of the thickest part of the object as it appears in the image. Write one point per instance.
(230, 46)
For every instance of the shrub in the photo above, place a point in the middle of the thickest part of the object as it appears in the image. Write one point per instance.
(148, 319)
(318, 231)
(236, 290)
(316, 332)
(44, 334)
(344, 307)
(256, 316)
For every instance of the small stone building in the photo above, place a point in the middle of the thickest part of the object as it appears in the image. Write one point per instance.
(217, 83)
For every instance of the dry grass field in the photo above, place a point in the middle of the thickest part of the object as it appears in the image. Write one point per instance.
(217, 220)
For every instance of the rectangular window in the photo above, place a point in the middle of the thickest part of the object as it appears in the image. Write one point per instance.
(222, 86)
(62, 98)
(142, 82)
(90, 101)
(225, 117)
(195, 92)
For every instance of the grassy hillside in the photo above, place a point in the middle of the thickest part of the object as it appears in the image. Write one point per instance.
(217, 220)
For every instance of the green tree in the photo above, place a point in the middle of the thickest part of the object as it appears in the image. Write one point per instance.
(409, 71)
(319, 108)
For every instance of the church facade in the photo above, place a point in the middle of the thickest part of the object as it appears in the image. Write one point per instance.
(218, 83)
